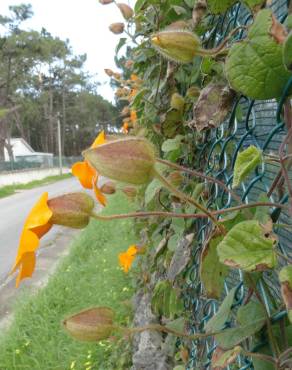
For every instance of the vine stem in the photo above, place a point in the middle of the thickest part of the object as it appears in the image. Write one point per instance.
(164, 329)
(268, 322)
(220, 48)
(200, 174)
(183, 215)
(185, 197)
(287, 259)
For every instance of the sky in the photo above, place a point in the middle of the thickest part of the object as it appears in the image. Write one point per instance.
(85, 23)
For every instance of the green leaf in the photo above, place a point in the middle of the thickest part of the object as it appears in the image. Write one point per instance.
(287, 52)
(172, 123)
(172, 144)
(219, 6)
(138, 5)
(152, 189)
(254, 66)
(232, 337)
(218, 321)
(248, 247)
(165, 300)
(245, 163)
(173, 242)
(221, 359)
(179, 10)
(212, 272)
(254, 4)
(181, 257)
(252, 309)
(285, 277)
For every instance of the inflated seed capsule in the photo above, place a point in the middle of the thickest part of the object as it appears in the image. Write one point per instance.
(181, 46)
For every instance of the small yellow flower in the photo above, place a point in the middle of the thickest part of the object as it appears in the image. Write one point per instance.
(87, 175)
(126, 258)
(125, 127)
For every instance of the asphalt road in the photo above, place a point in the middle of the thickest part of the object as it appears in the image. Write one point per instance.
(13, 212)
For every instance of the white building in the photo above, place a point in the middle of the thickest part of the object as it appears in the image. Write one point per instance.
(22, 151)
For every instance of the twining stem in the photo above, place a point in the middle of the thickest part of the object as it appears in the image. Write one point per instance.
(164, 329)
(185, 197)
(220, 48)
(184, 215)
(268, 322)
(201, 175)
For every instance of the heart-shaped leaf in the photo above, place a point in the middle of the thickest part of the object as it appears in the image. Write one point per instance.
(247, 246)
(219, 6)
(254, 66)
(212, 272)
(245, 163)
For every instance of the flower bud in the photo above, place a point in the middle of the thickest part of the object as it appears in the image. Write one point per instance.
(193, 92)
(177, 102)
(105, 2)
(108, 188)
(175, 178)
(72, 210)
(181, 46)
(91, 325)
(126, 10)
(109, 72)
(129, 160)
(130, 191)
(117, 28)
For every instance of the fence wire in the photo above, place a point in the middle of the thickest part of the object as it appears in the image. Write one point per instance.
(251, 122)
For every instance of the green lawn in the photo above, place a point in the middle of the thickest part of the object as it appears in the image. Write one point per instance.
(11, 189)
(89, 276)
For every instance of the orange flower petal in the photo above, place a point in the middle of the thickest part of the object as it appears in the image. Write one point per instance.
(99, 195)
(36, 225)
(27, 266)
(40, 213)
(133, 116)
(99, 140)
(85, 173)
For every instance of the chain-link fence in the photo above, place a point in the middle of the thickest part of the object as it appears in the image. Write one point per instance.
(34, 162)
(259, 123)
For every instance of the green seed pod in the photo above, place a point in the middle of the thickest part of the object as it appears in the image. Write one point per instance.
(129, 160)
(177, 102)
(91, 325)
(180, 46)
(71, 210)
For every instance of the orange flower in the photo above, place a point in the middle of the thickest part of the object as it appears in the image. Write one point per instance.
(71, 210)
(133, 116)
(36, 225)
(87, 175)
(134, 77)
(133, 93)
(126, 258)
(125, 127)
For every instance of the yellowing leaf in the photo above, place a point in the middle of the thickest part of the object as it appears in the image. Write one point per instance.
(212, 272)
(248, 247)
(245, 163)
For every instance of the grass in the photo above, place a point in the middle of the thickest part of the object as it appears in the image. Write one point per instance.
(88, 276)
(5, 191)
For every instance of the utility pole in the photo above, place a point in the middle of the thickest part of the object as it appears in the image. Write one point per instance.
(59, 144)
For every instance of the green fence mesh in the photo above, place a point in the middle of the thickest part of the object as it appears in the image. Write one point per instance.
(250, 123)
